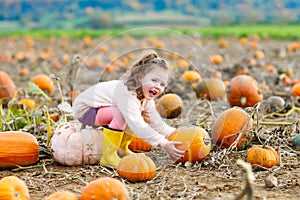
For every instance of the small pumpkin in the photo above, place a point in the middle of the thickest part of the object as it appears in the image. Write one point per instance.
(169, 106)
(223, 43)
(105, 188)
(18, 149)
(244, 41)
(195, 141)
(270, 69)
(243, 91)
(136, 167)
(62, 195)
(73, 145)
(227, 127)
(217, 59)
(296, 141)
(7, 86)
(44, 82)
(210, 88)
(259, 54)
(275, 104)
(295, 91)
(139, 145)
(191, 76)
(216, 74)
(183, 63)
(262, 155)
(13, 188)
(29, 103)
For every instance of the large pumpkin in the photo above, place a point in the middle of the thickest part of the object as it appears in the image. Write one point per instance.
(136, 167)
(195, 141)
(7, 86)
(18, 149)
(169, 105)
(243, 91)
(13, 188)
(73, 145)
(105, 188)
(265, 156)
(210, 88)
(227, 127)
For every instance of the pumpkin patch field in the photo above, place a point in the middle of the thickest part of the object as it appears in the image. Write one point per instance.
(234, 102)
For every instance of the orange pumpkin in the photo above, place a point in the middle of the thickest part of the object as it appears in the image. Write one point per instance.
(29, 103)
(136, 167)
(223, 43)
(7, 86)
(18, 149)
(13, 188)
(210, 88)
(139, 145)
(216, 74)
(271, 69)
(259, 54)
(195, 141)
(73, 94)
(71, 145)
(217, 59)
(105, 188)
(295, 91)
(244, 41)
(265, 156)
(23, 71)
(243, 91)
(227, 127)
(169, 105)
(183, 63)
(62, 195)
(44, 82)
(191, 76)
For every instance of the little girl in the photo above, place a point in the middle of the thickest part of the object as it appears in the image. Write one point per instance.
(128, 103)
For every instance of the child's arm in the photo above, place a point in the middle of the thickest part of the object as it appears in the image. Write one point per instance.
(157, 123)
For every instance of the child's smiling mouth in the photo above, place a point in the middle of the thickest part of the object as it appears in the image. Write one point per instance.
(153, 92)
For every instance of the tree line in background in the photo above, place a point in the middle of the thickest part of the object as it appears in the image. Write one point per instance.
(69, 14)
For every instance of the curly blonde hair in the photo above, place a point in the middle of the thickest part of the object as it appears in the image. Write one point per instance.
(148, 60)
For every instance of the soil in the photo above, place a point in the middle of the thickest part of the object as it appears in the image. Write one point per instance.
(216, 177)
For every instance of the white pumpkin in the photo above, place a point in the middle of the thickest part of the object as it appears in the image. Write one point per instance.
(71, 145)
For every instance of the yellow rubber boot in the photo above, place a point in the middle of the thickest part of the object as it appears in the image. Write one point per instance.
(127, 138)
(111, 141)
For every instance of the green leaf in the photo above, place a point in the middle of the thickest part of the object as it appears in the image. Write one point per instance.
(34, 89)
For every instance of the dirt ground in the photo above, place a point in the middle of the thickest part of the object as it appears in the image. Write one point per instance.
(218, 176)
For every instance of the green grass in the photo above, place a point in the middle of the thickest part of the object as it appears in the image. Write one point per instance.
(290, 32)
(272, 31)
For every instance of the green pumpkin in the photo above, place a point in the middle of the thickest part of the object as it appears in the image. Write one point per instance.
(296, 142)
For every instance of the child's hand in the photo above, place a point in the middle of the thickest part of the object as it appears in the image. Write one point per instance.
(146, 117)
(173, 152)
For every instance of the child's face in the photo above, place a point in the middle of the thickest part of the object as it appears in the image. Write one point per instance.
(154, 83)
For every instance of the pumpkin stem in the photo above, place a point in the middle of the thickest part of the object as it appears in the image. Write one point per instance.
(267, 141)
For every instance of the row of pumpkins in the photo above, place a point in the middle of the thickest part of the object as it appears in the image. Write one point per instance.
(106, 188)
(72, 145)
